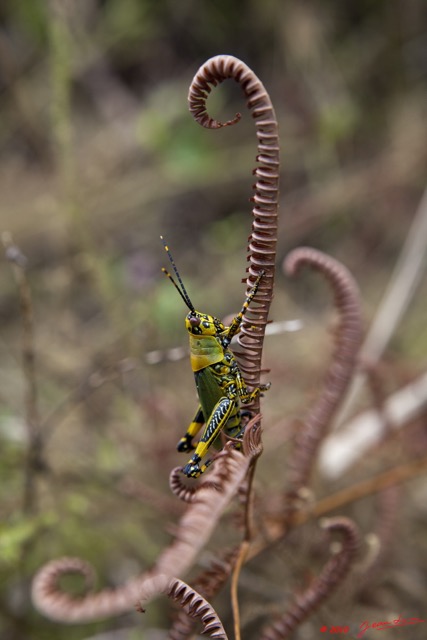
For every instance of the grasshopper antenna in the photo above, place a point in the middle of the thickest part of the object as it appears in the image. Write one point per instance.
(182, 291)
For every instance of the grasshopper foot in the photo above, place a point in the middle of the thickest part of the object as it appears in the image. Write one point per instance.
(193, 469)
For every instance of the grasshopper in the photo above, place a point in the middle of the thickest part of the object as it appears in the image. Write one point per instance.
(219, 381)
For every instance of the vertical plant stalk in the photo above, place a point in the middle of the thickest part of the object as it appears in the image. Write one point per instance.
(331, 576)
(342, 365)
(252, 446)
(32, 418)
(263, 239)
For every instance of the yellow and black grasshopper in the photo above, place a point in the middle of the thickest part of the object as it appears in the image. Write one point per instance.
(219, 381)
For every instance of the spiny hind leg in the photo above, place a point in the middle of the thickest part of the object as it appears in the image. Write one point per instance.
(186, 442)
(217, 420)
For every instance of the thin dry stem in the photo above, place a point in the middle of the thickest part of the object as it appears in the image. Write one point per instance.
(252, 446)
(243, 554)
(392, 477)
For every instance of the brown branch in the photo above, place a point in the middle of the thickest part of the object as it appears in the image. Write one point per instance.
(332, 575)
(390, 478)
(342, 365)
(262, 242)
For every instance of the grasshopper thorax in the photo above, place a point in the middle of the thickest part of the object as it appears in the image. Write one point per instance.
(201, 324)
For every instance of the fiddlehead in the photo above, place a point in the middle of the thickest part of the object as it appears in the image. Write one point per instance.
(198, 608)
(207, 584)
(185, 492)
(193, 531)
(192, 602)
(331, 576)
(262, 242)
(342, 363)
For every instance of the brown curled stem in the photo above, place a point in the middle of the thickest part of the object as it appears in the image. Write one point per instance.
(342, 364)
(263, 239)
(188, 493)
(331, 576)
(193, 531)
(184, 492)
(207, 584)
(190, 600)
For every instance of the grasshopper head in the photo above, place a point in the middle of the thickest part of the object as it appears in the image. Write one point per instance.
(200, 324)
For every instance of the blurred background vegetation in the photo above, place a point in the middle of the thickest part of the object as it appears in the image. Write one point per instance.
(98, 157)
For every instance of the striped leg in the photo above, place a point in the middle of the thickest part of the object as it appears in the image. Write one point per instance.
(186, 444)
(218, 419)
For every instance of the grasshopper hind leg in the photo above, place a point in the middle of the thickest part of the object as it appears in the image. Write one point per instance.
(217, 420)
(186, 442)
